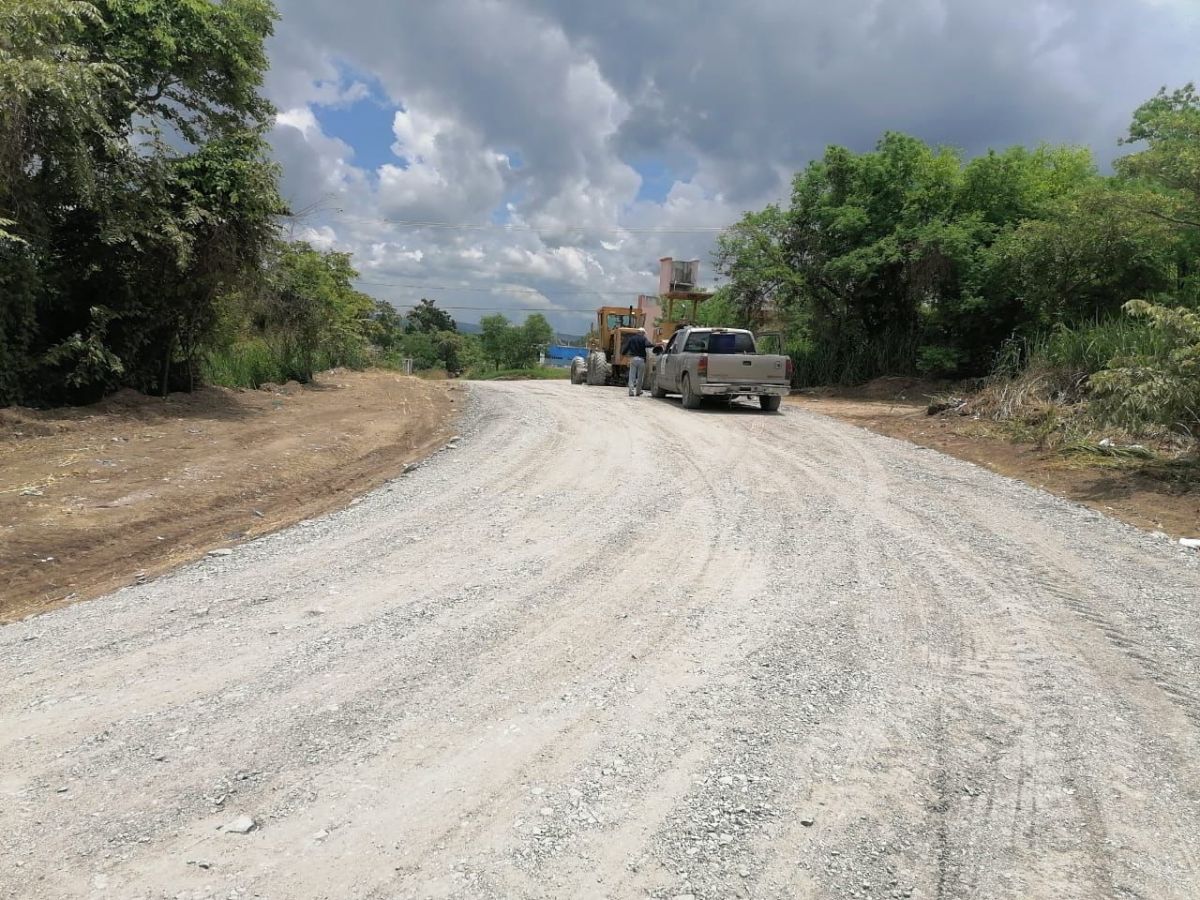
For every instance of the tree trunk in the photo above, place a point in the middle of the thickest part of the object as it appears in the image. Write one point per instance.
(166, 372)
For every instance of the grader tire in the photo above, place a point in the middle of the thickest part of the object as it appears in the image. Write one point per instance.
(597, 368)
(578, 370)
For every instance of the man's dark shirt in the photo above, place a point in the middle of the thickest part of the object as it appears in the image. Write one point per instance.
(636, 345)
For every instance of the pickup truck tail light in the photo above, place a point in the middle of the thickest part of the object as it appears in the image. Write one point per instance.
(790, 368)
(702, 366)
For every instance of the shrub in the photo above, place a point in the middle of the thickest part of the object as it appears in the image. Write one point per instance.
(1159, 385)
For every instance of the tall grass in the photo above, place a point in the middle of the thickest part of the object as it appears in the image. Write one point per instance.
(253, 363)
(1083, 349)
(540, 373)
(1041, 386)
(828, 363)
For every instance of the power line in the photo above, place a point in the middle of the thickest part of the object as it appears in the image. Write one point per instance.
(541, 309)
(512, 226)
(498, 290)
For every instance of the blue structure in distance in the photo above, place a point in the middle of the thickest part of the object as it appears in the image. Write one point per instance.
(560, 355)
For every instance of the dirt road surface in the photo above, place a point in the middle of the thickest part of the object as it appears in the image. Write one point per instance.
(610, 648)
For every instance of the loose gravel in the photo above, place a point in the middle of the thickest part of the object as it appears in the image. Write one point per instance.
(606, 647)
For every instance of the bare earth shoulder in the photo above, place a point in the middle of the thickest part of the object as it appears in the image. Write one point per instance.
(90, 498)
(611, 648)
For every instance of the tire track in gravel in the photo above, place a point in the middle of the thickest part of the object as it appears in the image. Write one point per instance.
(612, 648)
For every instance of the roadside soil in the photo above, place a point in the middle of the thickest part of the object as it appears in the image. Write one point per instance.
(1149, 497)
(102, 496)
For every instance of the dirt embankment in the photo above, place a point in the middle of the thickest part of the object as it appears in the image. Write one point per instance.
(97, 497)
(1153, 497)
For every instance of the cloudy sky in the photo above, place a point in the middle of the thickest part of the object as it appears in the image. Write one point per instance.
(513, 155)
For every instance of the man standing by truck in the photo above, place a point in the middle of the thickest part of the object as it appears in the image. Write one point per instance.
(636, 346)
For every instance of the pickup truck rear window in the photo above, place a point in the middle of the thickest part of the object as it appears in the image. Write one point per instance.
(737, 342)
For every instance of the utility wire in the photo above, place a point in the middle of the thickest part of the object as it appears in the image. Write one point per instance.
(511, 226)
(541, 309)
(500, 290)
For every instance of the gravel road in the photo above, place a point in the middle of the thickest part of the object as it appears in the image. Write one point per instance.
(608, 648)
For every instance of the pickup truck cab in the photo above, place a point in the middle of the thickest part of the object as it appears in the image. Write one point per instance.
(719, 362)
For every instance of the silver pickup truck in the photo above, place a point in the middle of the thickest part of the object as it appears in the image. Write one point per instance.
(719, 362)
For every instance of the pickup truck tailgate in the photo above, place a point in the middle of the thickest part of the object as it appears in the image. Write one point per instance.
(750, 368)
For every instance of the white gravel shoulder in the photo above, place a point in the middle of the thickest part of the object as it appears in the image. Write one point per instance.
(606, 647)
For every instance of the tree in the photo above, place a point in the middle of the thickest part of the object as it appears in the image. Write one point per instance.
(312, 308)
(533, 337)
(1169, 124)
(884, 263)
(751, 255)
(504, 345)
(384, 326)
(425, 317)
(133, 170)
(494, 339)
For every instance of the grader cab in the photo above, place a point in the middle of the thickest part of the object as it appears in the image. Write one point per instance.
(605, 362)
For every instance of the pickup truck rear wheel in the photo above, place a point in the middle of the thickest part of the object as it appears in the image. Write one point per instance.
(770, 402)
(691, 399)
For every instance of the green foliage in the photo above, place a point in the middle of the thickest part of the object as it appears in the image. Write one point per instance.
(538, 373)
(1169, 125)
(383, 326)
(311, 307)
(719, 309)
(87, 362)
(908, 260)
(426, 318)
(1161, 386)
(1085, 348)
(507, 346)
(133, 169)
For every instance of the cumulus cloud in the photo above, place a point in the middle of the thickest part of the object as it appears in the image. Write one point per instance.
(529, 119)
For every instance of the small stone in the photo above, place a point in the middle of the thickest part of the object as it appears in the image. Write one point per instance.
(744, 873)
(807, 823)
(240, 825)
(223, 551)
(321, 835)
(159, 757)
(547, 811)
(257, 513)
(1190, 543)
(61, 790)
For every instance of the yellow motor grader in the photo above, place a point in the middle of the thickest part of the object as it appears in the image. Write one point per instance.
(606, 363)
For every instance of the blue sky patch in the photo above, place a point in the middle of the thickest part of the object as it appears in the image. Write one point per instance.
(658, 177)
(365, 124)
